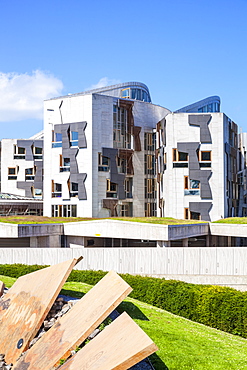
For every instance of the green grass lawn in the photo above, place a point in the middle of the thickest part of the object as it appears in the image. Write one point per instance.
(183, 344)
(232, 220)
(48, 220)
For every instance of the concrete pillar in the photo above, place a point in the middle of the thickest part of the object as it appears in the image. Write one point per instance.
(229, 241)
(185, 242)
(54, 241)
(208, 241)
(33, 242)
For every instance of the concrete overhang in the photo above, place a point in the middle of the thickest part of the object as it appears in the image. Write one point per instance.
(8, 230)
(134, 230)
(237, 230)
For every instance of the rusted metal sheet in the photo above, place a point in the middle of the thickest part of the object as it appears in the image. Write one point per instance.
(119, 346)
(24, 308)
(74, 327)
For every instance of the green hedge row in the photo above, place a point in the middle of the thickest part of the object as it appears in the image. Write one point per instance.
(219, 307)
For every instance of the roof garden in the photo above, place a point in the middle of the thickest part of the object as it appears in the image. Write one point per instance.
(59, 220)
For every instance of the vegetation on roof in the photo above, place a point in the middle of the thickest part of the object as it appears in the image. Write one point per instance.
(60, 220)
(232, 220)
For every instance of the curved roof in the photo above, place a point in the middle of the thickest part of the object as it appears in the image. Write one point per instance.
(199, 104)
(112, 90)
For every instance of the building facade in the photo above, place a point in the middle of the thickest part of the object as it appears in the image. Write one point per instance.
(100, 153)
(112, 152)
(197, 166)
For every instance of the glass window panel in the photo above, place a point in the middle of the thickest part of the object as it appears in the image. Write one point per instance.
(21, 150)
(58, 136)
(74, 135)
(194, 184)
(206, 156)
(66, 161)
(74, 211)
(74, 186)
(38, 150)
(182, 156)
(12, 171)
(133, 93)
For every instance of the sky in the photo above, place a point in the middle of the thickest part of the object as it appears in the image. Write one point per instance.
(183, 50)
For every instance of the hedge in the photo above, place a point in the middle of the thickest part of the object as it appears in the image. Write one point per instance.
(219, 307)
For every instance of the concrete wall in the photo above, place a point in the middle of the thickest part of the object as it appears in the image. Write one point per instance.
(223, 266)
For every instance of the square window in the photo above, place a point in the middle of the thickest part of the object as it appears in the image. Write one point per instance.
(206, 156)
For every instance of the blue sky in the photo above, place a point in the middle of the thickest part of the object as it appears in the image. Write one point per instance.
(183, 50)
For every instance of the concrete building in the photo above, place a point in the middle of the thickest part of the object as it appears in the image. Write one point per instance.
(112, 152)
(100, 153)
(22, 176)
(197, 166)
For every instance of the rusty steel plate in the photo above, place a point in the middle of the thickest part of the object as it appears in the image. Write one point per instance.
(73, 328)
(119, 346)
(24, 308)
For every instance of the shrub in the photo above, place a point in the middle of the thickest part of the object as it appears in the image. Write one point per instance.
(219, 307)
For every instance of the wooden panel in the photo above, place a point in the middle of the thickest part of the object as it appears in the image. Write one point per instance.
(25, 306)
(119, 346)
(74, 327)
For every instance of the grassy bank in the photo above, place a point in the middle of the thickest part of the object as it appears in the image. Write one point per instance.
(183, 344)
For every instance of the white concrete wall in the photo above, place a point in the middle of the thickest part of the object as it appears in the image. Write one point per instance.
(179, 130)
(223, 266)
(7, 160)
(73, 109)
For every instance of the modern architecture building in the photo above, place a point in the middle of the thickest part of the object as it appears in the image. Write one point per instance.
(112, 152)
(197, 166)
(22, 176)
(100, 153)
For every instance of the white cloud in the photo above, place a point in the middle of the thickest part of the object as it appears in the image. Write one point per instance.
(22, 95)
(104, 81)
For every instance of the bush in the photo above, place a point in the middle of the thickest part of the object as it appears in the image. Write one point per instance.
(219, 307)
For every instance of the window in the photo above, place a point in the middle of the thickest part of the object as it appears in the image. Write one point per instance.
(121, 165)
(204, 157)
(73, 138)
(191, 187)
(179, 157)
(56, 189)
(125, 93)
(150, 209)
(12, 174)
(64, 164)
(150, 188)
(125, 210)
(57, 143)
(128, 188)
(19, 152)
(149, 141)
(29, 174)
(37, 193)
(189, 215)
(121, 136)
(103, 163)
(37, 153)
(137, 94)
(74, 189)
(111, 189)
(149, 164)
(65, 210)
